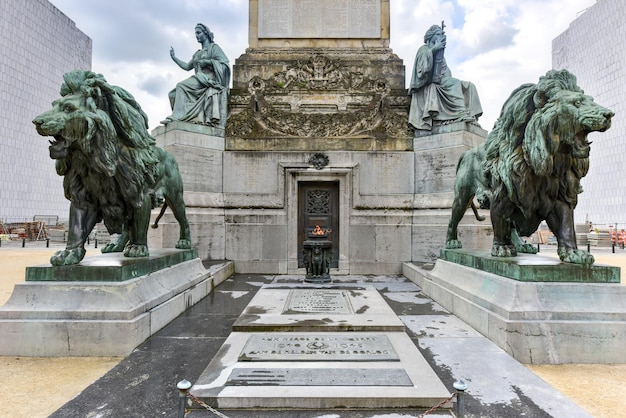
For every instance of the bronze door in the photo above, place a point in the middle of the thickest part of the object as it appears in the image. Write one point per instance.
(318, 209)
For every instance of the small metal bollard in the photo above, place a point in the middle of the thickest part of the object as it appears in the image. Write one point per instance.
(47, 242)
(95, 243)
(538, 248)
(588, 247)
(613, 248)
(460, 387)
(183, 387)
(24, 243)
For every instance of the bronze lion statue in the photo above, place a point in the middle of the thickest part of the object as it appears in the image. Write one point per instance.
(529, 168)
(113, 171)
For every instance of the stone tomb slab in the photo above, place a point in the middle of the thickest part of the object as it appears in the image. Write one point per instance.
(353, 380)
(317, 308)
(324, 301)
(318, 347)
(318, 377)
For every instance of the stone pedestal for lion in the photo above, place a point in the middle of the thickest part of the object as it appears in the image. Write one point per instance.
(104, 306)
(544, 312)
(199, 151)
(436, 155)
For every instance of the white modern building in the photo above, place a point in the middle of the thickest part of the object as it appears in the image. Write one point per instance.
(592, 48)
(38, 44)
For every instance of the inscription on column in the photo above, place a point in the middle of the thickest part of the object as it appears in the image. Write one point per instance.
(332, 12)
(302, 26)
(303, 347)
(274, 17)
(365, 12)
(314, 301)
(319, 18)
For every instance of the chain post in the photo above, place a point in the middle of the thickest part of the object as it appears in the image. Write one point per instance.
(183, 387)
(460, 387)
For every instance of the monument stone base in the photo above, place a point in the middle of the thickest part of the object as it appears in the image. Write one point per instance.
(244, 205)
(549, 322)
(102, 318)
(323, 346)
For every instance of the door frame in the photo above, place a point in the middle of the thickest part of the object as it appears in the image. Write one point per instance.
(294, 174)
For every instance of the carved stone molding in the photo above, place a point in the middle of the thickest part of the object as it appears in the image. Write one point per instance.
(261, 119)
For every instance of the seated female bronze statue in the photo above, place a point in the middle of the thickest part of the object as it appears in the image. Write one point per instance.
(202, 98)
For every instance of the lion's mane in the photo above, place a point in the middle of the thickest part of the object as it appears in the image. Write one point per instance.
(530, 167)
(112, 161)
(537, 151)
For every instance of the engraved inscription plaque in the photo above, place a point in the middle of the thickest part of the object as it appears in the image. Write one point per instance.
(318, 377)
(320, 347)
(316, 301)
(319, 19)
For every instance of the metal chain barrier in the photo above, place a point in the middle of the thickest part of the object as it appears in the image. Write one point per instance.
(207, 407)
(219, 414)
(436, 407)
(184, 385)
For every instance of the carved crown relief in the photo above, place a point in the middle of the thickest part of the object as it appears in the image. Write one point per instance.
(321, 73)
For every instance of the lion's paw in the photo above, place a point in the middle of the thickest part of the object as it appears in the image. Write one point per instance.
(183, 244)
(67, 257)
(498, 250)
(112, 247)
(136, 250)
(453, 244)
(576, 256)
(526, 248)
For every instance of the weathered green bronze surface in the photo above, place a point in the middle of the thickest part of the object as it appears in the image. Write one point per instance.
(202, 97)
(529, 169)
(437, 97)
(533, 267)
(112, 170)
(111, 267)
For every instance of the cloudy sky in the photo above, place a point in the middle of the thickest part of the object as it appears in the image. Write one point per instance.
(497, 44)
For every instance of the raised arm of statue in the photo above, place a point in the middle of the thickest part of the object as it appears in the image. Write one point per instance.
(203, 97)
(182, 64)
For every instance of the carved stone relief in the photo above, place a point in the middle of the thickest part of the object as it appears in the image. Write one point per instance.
(289, 104)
